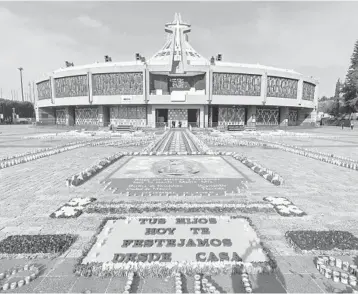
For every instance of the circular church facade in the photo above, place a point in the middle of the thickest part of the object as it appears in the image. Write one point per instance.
(177, 86)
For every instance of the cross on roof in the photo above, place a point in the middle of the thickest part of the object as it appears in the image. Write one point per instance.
(177, 25)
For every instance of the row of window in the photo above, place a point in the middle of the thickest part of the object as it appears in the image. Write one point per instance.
(132, 84)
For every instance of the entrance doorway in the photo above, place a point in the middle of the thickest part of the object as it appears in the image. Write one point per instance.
(193, 118)
(161, 118)
(214, 116)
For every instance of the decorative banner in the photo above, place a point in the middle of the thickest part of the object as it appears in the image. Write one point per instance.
(44, 90)
(124, 83)
(236, 84)
(75, 86)
(308, 91)
(280, 87)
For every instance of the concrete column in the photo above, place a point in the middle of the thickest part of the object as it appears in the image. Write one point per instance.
(70, 115)
(53, 96)
(146, 84)
(251, 116)
(284, 116)
(90, 90)
(103, 118)
(209, 84)
(151, 116)
(264, 87)
(206, 115)
(299, 91)
(202, 116)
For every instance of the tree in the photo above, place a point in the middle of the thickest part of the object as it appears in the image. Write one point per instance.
(337, 91)
(350, 88)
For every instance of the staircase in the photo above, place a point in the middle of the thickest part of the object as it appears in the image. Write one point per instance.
(124, 128)
(250, 128)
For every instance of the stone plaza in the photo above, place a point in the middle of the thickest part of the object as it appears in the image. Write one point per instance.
(178, 211)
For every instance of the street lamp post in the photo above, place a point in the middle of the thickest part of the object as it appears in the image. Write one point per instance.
(22, 87)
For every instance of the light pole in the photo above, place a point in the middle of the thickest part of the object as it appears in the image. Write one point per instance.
(22, 87)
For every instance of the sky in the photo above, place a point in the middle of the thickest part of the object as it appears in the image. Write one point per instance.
(313, 38)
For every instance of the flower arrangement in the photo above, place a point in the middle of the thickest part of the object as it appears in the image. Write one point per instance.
(325, 157)
(126, 141)
(322, 241)
(123, 207)
(330, 267)
(197, 284)
(41, 153)
(34, 272)
(178, 283)
(129, 283)
(199, 144)
(284, 207)
(207, 287)
(73, 208)
(157, 269)
(246, 282)
(155, 144)
(34, 244)
(82, 177)
(267, 174)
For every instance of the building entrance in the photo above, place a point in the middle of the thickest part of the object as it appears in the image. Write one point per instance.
(161, 118)
(194, 118)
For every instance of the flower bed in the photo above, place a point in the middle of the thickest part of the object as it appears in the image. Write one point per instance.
(129, 284)
(152, 146)
(8, 275)
(126, 141)
(199, 144)
(73, 208)
(123, 207)
(322, 241)
(337, 270)
(267, 174)
(34, 244)
(284, 207)
(166, 269)
(82, 177)
(45, 152)
(325, 157)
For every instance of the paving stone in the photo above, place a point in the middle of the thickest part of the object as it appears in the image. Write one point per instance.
(95, 285)
(56, 284)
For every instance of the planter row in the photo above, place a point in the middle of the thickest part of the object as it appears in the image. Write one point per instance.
(176, 207)
(133, 141)
(73, 208)
(45, 152)
(154, 144)
(198, 143)
(325, 157)
(129, 284)
(337, 270)
(41, 150)
(285, 207)
(321, 155)
(83, 176)
(267, 174)
(42, 154)
(9, 275)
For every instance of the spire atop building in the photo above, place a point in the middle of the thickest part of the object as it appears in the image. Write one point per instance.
(177, 52)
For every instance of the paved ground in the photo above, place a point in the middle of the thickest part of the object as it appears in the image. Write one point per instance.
(328, 194)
